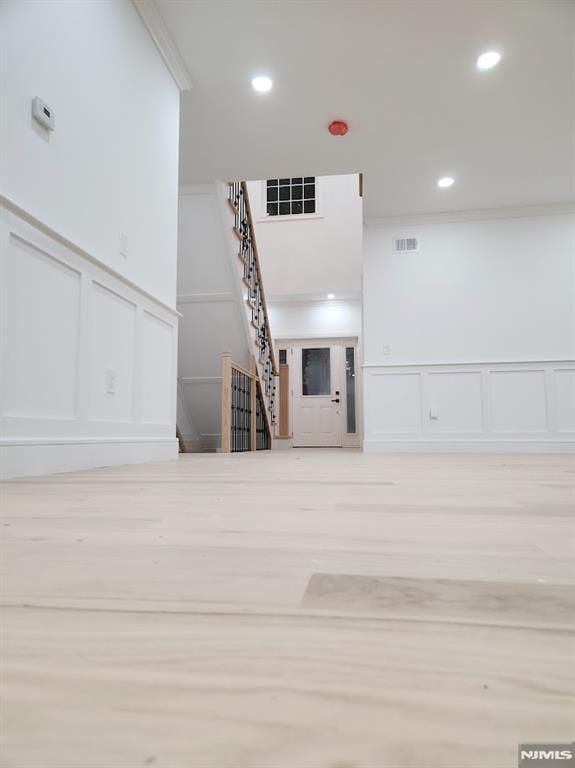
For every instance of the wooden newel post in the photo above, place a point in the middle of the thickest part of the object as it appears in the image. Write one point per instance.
(226, 402)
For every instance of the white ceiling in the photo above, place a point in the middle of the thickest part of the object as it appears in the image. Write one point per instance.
(402, 73)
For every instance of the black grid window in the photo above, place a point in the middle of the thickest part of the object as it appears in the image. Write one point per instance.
(291, 197)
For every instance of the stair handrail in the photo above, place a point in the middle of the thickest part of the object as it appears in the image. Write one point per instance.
(239, 201)
(259, 271)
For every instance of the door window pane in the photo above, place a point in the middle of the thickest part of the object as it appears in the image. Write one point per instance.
(316, 371)
(350, 389)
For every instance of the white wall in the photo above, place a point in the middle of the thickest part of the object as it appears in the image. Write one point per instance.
(111, 165)
(317, 255)
(213, 311)
(314, 319)
(73, 308)
(469, 343)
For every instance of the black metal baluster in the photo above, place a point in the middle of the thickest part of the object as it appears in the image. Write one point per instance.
(233, 416)
(235, 399)
(244, 413)
(266, 388)
(248, 412)
(241, 411)
(251, 384)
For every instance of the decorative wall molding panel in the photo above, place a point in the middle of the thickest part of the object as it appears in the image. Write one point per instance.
(499, 407)
(87, 361)
(40, 226)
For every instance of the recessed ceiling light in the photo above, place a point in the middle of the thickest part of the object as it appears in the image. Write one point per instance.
(262, 84)
(445, 181)
(331, 296)
(488, 60)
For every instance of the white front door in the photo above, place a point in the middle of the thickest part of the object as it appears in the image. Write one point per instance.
(318, 396)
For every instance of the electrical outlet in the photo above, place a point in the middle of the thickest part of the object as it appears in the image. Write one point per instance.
(433, 414)
(124, 245)
(111, 382)
(386, 349)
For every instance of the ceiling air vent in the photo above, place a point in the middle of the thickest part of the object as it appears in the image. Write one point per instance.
(405, 244)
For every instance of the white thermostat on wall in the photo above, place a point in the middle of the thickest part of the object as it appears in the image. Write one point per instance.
(42, 113)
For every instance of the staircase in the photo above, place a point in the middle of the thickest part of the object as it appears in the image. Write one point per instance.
(227, 369)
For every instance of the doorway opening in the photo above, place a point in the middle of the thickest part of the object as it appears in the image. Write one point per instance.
(324, 394)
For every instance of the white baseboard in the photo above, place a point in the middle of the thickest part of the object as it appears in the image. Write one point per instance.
(27, 458)
(207, 442)
(211, 442)
(469, 446)
(193, 444)
(281, 443)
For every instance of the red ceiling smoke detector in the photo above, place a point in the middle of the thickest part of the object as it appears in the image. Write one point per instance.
(338, 128)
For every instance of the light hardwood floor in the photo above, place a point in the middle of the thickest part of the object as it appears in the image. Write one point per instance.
(289, 609)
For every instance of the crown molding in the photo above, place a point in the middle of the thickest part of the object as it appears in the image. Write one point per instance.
(478, 214)
(312, 298)
(200, 379)
(172, 57)
(204, 298)
(205, 188)
(283, 337)
(473, 363)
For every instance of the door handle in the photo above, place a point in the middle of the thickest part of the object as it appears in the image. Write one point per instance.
(336, 400)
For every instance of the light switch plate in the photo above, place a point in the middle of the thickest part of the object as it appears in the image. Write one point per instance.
(124, 245)
(111, 383)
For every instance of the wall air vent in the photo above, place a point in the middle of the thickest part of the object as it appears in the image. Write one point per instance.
(405, 244)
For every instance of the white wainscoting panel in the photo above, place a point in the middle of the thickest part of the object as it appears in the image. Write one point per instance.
(113, 333)
(456, 399)
(50, 343)
(67, 321)
(395, 402)
(157, 385)
(518, 401)
(564, 380)
(498, 407)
